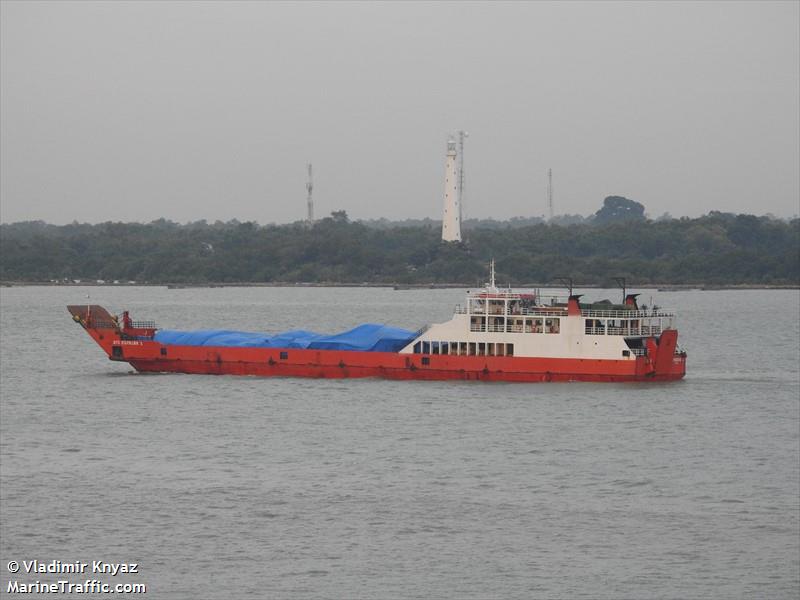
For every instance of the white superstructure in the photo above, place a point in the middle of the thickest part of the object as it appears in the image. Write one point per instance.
(451, 217)
(506, 323)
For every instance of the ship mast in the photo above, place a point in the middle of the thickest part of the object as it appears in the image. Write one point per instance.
(491, 285)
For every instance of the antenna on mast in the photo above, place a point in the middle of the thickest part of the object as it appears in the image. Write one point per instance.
(550, 192)
(567, 281)
(491, 287)
(621, 283)
(309, 188)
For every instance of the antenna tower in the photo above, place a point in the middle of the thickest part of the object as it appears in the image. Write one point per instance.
(461, 212)
(309, 187)
(550, 192)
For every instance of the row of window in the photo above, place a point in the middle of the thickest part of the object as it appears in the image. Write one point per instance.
(464, 348)
(479, 306)
(622, 327)
(527, 325)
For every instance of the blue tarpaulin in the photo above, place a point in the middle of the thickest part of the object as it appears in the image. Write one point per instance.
(369, 337)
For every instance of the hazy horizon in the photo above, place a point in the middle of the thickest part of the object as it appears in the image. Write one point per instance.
(356, 218)
(189, 111)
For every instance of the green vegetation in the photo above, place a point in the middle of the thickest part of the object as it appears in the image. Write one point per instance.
(617, 209)
(717, 249)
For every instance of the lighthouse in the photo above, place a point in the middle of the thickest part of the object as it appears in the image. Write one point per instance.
(451, 218)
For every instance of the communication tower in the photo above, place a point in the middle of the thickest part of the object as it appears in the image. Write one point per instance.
(550, 192)
(461, 211)
(309, 188)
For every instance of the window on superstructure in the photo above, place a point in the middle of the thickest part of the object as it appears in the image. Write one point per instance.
(482, 349)
(477, 324)
(462, 348)
(477, 306)
(434, 347)
(501, 349)
(527, 304)
(489, 349)
(618, 326)
(514, 325)
(497, 307)
(426, 347)
(594, 327)
(417, 347)
(445, 348)
(473, 348)
(509, 349)
(514, 307)
(552, 325)
(537, 326)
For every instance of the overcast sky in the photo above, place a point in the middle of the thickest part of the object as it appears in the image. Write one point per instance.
(187, 111)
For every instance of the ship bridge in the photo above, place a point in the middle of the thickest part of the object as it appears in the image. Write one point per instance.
(493, 310)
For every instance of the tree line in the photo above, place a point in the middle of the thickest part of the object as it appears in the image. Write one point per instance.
(715, 249)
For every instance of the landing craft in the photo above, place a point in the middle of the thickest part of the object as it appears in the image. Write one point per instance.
(498, 335)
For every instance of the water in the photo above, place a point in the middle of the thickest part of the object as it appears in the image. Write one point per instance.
(223, 487)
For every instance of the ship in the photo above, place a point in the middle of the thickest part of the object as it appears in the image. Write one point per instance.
(496, 335)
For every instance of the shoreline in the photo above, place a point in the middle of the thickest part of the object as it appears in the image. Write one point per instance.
(661, 287)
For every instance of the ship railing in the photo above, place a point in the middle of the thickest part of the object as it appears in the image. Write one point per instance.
(623, 330)
(541, 312)
(143, 324)
(484, 328)
(102, 324)
(595, 331)
(555, 311)
(644, 330)
(651, 330)
(626, 314)
(550, 311)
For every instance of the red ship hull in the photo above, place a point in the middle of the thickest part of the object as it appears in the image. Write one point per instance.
(342, 364)
(152, 356)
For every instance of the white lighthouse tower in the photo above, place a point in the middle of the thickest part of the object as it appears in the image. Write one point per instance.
(451, 218)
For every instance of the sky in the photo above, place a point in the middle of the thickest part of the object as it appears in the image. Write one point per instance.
(187, 111)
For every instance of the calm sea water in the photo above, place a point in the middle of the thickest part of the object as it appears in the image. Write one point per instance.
(221, 487)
